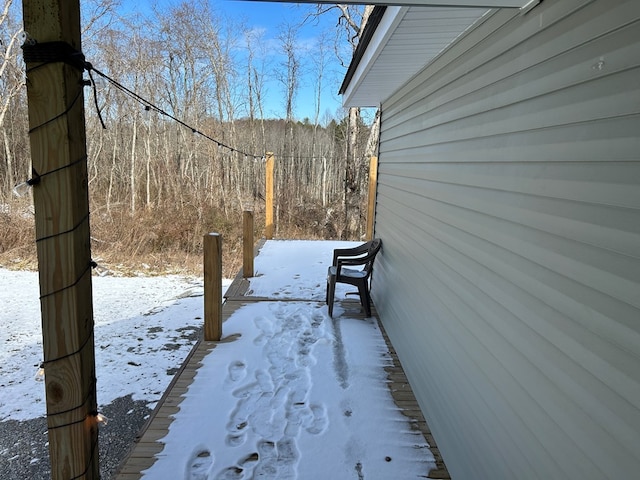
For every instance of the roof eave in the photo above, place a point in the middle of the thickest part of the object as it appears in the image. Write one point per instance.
(381, 24)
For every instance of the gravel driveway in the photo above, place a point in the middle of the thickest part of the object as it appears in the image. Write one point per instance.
(24, 451)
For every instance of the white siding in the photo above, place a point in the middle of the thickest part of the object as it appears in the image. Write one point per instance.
(509, 208)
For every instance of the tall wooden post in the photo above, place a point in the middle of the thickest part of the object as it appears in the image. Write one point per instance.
(371, 206)
(247, 244)
(212, 247)
(268, 183)
(58, 151)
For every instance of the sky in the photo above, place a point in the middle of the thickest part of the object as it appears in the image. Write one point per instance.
(268, 18)
(289, 393)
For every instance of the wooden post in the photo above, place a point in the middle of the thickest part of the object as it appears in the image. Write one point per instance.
(268, 183)
(247, 244)
(212, 246)
(371, 207)
(58, 150)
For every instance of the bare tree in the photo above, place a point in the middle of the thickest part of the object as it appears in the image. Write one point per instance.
(211, 74)
(349, 26)
(351, 21)
(98, 16)
(11, 81)
(319, 60)
(256, 74)
(289, 77)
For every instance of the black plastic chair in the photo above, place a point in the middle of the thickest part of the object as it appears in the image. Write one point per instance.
(339, 272)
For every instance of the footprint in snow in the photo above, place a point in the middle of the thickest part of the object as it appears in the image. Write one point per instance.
(320, 420)
(235, 440)
(266, 328)
(247, 390)
(288, 452)
(317, 318)
(264, 324)
(231, 473)
(250, 460)
(264, 381)
(267, 460)
(237, 371)
(267, 449)
(200, 465)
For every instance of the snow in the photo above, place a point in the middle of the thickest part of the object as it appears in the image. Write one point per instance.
(290, 269)
(289, 393)
(142, 333)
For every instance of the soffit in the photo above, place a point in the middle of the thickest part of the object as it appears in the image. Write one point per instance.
(405, 41)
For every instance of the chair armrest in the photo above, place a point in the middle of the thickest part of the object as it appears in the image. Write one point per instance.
(355, 261)
(349, 252)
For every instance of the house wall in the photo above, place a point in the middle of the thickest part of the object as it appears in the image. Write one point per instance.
(509, 207)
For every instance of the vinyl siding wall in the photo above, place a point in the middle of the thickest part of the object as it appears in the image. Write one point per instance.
(509, 207)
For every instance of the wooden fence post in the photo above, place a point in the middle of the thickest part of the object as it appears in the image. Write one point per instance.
(212, 247)
(60, 195)
(371, 206)
(268, 183)
(247, 244)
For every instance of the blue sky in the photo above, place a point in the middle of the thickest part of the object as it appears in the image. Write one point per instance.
(270, 16)
(268, 19)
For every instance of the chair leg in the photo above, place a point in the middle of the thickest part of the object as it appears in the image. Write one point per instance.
(331, 291)
(365, 299)
(326, 293)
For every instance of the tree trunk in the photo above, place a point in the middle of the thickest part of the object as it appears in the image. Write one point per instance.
(350, 177)
(371, 150)
(324, 181)
(132, 176)
(148, 171)
(111, 176)
(7, 150)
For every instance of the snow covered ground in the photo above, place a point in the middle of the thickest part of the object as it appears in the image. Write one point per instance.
(294, 395)
(144, 328)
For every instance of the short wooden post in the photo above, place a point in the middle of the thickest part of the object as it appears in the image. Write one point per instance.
(212, 247)
(59, 159)
(371, 207)
(247, 244)
(268, 183)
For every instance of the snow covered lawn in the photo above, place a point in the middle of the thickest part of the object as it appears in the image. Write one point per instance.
(144, 328)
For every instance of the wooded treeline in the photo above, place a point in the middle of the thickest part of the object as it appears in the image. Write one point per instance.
(157, 186)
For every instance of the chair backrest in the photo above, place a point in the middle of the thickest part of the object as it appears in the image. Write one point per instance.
(374, 248)
(362, 255)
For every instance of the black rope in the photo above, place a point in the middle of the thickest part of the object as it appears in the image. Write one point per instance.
(93, 454)
(89, 68)
(84, 272)
(84, 343)
(35, 180)
(58, 234)
(69, 410)
(54, 52)
(150, 106)
(81, 420)
(51, 52)
(60, 115)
